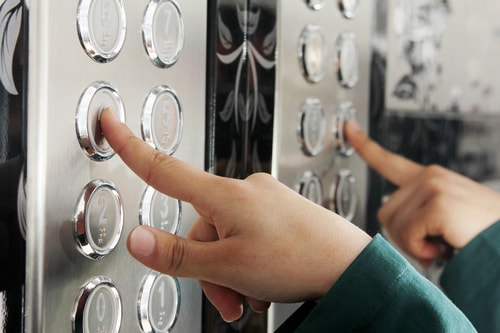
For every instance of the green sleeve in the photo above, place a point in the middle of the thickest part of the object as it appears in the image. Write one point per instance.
(472, 280)
(382, 292)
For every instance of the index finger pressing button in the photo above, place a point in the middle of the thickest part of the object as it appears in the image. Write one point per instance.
(98, 96)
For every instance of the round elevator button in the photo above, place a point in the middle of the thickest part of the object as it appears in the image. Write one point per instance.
(348, 8)
(313, 53)
(98, 221)
(311, 188)
(162, 120)
(344, 197)
(347, 60)
(159, 303)
(98, 96)
(98, 307)
(345, 112)
(160, 211)
(311, 127)
(101, 28)
(315, 4)
(163, 32)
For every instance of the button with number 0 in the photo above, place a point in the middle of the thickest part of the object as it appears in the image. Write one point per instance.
(311, 188)
(98, 221)
(98, 307)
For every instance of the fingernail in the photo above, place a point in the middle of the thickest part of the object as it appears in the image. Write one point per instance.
(238, 315)
(142, 242)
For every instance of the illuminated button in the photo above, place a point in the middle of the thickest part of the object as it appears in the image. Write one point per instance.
(313, 53)
(347, 60)
(98, 219)
(315, 4)
(163, 32)
(343, 193)
(101, 28)
(345, 112)
(311, 127)
(348, 8)
(159, 302)
(98, 307)
(162, 120)
(310, 187)
(98, 96)
(160, 211)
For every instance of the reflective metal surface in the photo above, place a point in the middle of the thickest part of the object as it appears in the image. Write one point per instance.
(290, 161)
(58, 170)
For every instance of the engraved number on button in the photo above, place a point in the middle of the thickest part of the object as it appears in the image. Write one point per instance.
(167, 44)
(101, 307)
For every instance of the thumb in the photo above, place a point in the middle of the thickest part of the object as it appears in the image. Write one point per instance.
(170, 254)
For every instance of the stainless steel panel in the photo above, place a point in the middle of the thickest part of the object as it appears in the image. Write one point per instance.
(290, 163)
(58, 169)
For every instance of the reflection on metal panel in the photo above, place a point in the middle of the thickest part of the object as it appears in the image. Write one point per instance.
(442, 56)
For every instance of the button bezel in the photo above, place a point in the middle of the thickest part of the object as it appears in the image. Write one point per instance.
(348, 9)
(91, 47)
(148, 112)
(145, 210)
(345, 179)
(347, 75)
(315, 4)
(312, 107)
(82, 231)
(143, 307)
(303, 187)
(79, 316)
(86, 137)
(149, 34)
(345, 112)
(312, 75)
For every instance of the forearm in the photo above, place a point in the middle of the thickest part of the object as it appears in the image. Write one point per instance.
(381, 292)
(471, 280)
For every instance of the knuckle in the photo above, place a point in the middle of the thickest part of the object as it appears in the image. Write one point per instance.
(160, 164)
(173, 256)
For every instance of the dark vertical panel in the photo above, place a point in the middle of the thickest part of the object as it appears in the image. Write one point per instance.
(241, 78)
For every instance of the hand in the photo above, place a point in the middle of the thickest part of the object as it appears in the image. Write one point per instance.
(255, 238)
(433, 207)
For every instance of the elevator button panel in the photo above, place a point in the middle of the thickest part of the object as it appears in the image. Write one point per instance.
(98, 96)
(162, 120)
(158, 303)
(163, 32)
(141, 59)
(101, 28)
(98, 307)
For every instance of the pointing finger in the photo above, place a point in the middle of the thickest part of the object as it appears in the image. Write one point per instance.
(393, 167)
(167, 174)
